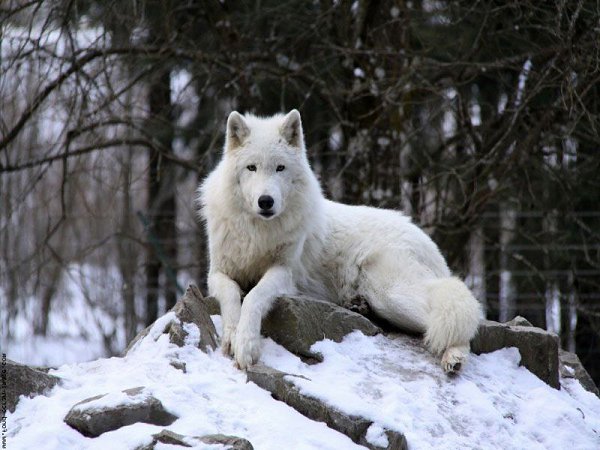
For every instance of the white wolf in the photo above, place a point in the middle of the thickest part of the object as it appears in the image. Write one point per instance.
(271, 233)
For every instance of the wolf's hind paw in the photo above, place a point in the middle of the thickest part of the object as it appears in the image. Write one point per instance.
(454, 359)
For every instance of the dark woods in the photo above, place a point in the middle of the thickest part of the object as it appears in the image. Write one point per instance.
(479, 119)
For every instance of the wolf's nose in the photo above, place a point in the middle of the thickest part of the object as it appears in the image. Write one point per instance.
(265, 202)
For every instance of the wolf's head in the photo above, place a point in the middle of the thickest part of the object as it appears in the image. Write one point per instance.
(268, 158)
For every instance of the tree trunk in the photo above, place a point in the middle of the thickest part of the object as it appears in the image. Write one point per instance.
(507, 297)
(127, 254)
(553, 294)
(571, 341)
(48, 295)
(477, 266)
(553, 315)
(161, 229)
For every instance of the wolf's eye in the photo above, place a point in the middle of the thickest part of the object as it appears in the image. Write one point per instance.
(251, 168)
(280, 168)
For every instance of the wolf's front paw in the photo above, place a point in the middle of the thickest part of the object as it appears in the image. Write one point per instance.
(246, 349)
(227, 340)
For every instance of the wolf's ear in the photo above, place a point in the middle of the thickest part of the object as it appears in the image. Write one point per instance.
(237, 131)
(291, 130)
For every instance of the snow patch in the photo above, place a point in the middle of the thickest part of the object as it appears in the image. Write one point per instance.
(212, 397)
(376, 436)
(193, 334)
(114, 399)
(399, 386)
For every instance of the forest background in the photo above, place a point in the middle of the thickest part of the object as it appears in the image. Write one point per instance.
(480, 119)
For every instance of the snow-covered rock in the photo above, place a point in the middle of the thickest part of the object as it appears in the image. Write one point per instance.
(538, 348)
(170, 438)
(298, 322)
(571, 367)
(357, 428)
(189, 320)
(96, 415)
(22, 380)
(395, 383)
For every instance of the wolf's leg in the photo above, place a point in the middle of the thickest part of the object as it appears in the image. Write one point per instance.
(452, 322)
(443, 309)
(275, 282)
(228, 293)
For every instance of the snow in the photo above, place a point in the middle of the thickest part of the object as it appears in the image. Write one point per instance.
(394, 382)
(113, 399)
(52, 351)
(84, 312)
(193, 334)
(376, 436)
(212, 397)
(398, 384)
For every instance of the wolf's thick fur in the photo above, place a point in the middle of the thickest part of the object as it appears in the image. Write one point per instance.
(271, 233)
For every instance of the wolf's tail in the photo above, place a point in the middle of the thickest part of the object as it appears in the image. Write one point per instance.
(454, 315)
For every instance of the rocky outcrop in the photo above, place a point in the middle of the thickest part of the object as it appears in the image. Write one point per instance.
(171, 438)
(190, 309)
(24, 380)
(571, 367)
(298, 322)
(91, 418)
(538, 348)
(284, 390)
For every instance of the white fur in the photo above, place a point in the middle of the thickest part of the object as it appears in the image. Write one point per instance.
(318, 247)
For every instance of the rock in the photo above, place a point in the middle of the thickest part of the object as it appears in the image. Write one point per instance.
(166, 437)
(519, 321)
(23, 380)
(179, 365)
(354, 427)
(396, 441)
(171, 438)
(138, 337)
(298, 322)
(191, 308)
(538, 348)
(212, 306)
(571, 367)
(230, 442)
(92, 419)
